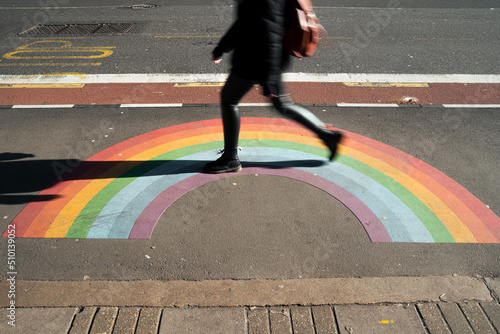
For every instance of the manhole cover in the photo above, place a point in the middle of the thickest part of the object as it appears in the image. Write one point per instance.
(79, 29)
(143, 6)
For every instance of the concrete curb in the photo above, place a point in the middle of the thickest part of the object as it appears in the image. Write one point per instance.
(232, 293)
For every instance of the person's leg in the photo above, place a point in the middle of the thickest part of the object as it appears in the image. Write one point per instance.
(232, 92)
(298, 113)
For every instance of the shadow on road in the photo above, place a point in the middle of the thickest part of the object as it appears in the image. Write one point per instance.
(20, 179)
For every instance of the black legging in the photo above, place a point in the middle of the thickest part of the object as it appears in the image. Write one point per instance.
(234, 90)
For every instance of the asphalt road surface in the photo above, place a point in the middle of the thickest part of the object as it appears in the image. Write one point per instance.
(245, 226)
(440, 37)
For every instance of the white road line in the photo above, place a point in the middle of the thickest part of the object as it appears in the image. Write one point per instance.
(255, 105)
(45, 106)
(151, 105)
(55, 8)
(391, 78)
(471, 105)
(221, 77)
(385, 105)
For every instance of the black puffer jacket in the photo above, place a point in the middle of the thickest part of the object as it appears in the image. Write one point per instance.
(256, 39)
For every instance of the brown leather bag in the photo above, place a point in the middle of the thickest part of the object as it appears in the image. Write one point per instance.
(301, 36)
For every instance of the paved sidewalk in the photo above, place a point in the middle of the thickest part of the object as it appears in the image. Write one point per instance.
(467, 305)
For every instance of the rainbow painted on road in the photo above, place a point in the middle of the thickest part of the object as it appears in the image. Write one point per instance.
(122, 191)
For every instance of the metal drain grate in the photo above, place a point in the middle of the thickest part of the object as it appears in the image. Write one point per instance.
(79, 29)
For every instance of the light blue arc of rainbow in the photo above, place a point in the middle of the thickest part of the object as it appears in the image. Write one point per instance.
(122, 211)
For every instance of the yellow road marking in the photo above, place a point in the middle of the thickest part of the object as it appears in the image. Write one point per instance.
(337, 37)
(104, 52)
(218, 36)
(69, 85)
(58, 37)
(443, 39)
(386, 84)
(55, 49)
(63, 74)
(187, 36)
(66, 45)
(53, 64)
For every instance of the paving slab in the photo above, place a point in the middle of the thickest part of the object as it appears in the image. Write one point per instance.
(104, 320)
(149, 321)
(374, 319)
(494, 285)
(126, 321)
(324, 320)
(201, 321)
(492, 311)
(477, 319)
(83, 320)
(434, 321)
(281, 323)
(455, 318)
(302, 321)
(38, 320)
(258, 320)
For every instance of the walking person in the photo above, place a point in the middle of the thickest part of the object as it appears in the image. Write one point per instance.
(256, 40)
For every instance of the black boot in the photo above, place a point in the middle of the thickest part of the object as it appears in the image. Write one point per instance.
(227, 163)
(332, 139)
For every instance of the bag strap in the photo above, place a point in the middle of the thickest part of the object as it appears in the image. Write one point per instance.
(307, 7)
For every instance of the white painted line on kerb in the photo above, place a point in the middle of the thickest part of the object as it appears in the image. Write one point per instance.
(221, 77)
(113, 78)
(389, 78)
(471, 105)
(44, 106)
(255, 105)
(152, 105)
(387, 105)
